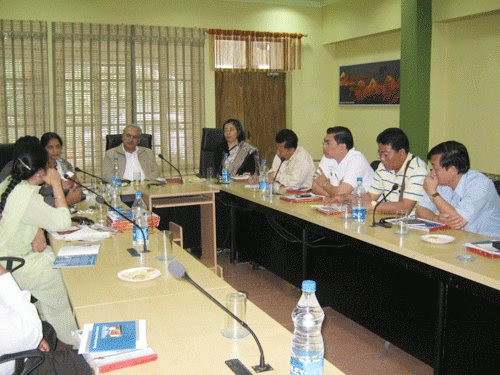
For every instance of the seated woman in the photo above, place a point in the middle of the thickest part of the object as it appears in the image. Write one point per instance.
(243, 157)
(23, 211)
(52, 143)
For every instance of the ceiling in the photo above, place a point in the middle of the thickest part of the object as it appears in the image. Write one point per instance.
(305, 3)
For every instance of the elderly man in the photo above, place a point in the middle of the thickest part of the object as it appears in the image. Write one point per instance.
(398, 166)
(458, 196)
(131, 158)
(298, 166)
(341, 165)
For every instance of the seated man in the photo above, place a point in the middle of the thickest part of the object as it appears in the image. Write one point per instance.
(458, 196)
(21, 329)
(298, 166)
(131, 158)
(341, 165)
(398, 166)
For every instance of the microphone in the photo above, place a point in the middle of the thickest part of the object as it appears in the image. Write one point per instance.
(276, 174)
(90, 174)
(100, 199)
(177, 270)
(169, 163)
(382, 223)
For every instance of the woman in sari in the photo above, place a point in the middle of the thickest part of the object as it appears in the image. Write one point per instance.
(243, 157)
(23, 211)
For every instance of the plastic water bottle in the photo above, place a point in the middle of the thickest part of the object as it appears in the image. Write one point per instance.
(263, 177)
(140, 216)
(226, 176)
(359, 203)
(115, 169)
(308, 350)
(116, 188)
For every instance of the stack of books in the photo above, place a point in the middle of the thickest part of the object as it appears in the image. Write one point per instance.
(421, 224)
(116, 221)
(484, 248)
(334, 209)
(114, 345)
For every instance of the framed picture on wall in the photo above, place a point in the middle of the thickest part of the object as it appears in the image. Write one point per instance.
(375, 83)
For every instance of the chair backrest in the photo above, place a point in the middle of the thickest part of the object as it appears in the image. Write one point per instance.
(113, 140)
(10, 263)
(374, 164)
(210, 139)
(6, 152)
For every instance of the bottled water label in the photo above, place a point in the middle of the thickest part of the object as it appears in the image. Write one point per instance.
(263, 186)
(359, 214)
(306, 368)
(137, 235)
(226, 177)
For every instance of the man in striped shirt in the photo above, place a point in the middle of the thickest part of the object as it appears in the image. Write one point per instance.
(398, 166)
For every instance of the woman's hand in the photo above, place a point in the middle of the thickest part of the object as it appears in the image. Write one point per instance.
(52, 177)
(39, 243)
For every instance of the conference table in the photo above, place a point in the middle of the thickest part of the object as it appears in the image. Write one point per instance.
(183, 325)
(412, 293)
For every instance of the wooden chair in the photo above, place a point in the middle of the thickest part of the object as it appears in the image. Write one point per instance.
(177, 232)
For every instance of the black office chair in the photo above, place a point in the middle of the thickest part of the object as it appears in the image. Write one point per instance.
(113, 140)
(6, 152)
(374, 164)
(9, 266)
(210, 138)
(34, 359)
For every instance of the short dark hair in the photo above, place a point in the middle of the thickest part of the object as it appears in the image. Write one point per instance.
(288, 136)
(48, 136)
(395, 138)
(453, 154)
(342, 135)
(239, 128)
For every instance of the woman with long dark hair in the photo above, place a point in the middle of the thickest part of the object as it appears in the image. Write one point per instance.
(23, 211)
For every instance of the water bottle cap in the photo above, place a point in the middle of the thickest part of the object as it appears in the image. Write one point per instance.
(309, 286)
(360, 178)
(116, 159)
(264, 160)
(113, 179)
(138, 194)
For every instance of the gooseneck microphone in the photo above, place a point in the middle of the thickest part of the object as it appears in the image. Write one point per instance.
(100, 199)
(381, 223)
(178, 271)
(90, 174)
(169, 163)
(276, 174)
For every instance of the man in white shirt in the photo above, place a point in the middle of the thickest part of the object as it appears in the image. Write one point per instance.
(298, 166)
(131, 158)
(341, 165)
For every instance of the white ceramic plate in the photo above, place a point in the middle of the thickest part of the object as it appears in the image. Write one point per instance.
(437, 238)
(240, 178)
(139, 274)
(197, 180)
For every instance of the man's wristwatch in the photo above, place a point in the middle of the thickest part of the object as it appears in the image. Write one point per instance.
(436, 194)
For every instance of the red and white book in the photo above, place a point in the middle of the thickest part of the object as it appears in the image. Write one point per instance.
(297, 190)
(327, 210)
(302, 198)
(421, 224)
(484, 248)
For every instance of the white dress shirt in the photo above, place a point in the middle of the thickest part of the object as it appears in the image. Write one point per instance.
(298, 171)
(20, 326)
(132, 165)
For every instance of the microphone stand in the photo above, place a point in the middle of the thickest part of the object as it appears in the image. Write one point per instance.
(276, 174)
(90, 174)
(174, 180)
(100, 199)
(262, 366)
(382, 222)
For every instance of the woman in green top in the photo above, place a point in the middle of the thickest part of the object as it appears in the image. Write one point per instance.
(23, 211)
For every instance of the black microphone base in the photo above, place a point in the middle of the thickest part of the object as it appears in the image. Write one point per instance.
(267, 367)
(382, 224)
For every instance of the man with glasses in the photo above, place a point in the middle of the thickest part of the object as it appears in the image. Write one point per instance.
(131, 158)
(341, 165)
(398, 166)
(457, 195)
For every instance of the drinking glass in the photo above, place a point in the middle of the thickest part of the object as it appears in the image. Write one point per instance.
(165, 246)
(401, 223)
(237, 304)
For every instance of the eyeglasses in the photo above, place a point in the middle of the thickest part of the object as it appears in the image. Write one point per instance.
(383, 155)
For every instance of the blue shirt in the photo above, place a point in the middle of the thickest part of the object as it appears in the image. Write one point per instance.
(476, 200)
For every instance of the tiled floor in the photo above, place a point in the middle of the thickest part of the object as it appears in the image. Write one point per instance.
(350, 347)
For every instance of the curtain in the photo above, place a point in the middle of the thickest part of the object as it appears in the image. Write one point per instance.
(253, 51)
(109, 76)
(24, 80)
